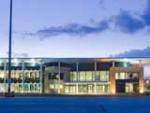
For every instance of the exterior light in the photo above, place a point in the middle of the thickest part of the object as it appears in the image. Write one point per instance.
(60, 86)
(147, 82)
(1, 62)
(141, 91)
(113, 92)
(125, 64)
(126, 60)
(16, 62)
(33, 62)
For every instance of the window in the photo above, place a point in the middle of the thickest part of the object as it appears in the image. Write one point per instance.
(97, 76)
(55, 76)
(32, 74)
(129, 87)
(73, 76)
(2, 74)
(82, 76)
(61, 76)
(70, 89)
(89, 76)
(135, 76)
(126, 75)
(83, 88)
(102, 89)
(104, 75)
(121, 76)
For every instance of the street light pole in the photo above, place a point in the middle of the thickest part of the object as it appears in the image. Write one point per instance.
(10, 47)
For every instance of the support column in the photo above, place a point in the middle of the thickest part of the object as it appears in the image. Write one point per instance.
(95, 69)
(113, 64)
(141, 78)
(95, 91)
(112, 79)
(41, 77)
(5, 75)
(59, 77)
(77, 71)
(77, 88)
(23, 74)
(94, 79)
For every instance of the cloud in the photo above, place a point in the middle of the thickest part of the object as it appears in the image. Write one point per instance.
(146, 14)
(72, 29)
(14, 54)
(124, 22)
(135, 53)
(127, 23)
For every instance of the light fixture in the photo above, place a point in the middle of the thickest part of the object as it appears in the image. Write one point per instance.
(33, 62)
(16, 62)
(1, 62)
(141, 91)
(125, 64)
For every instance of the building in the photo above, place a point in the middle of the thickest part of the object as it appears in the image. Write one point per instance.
(73, 76)
(147, 85)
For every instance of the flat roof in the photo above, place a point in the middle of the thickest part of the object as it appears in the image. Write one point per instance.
(145, 60)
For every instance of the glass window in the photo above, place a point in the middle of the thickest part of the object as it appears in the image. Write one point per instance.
(135, 76)
(97, 76)
(117, 76)
(82, 76)
(129, 87)
(83, 89)
(2, 74)
(37, 74)
(102, 89)
(73, 76)
(32, 74)
(89, 76)
(104, 75)
(2, 87)
(121, 76)
(70, 89)
(26, 75)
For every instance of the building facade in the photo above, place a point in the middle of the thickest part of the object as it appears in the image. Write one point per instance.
(147, 85)
(72, 76)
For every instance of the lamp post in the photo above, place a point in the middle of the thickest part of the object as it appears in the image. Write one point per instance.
(10, 47)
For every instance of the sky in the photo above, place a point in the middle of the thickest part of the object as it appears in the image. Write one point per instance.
(77, 28)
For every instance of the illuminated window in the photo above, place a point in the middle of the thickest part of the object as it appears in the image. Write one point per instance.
(83, 88)
(102, 89)
(70, 89)
(89, 76)
(104, 75)
(2, 87)
(2, 74)
(97, 76)
(129, 87)
(73, 76)
(82, 76)
(121, 76)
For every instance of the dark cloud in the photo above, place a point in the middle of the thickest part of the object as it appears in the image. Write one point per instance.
(135, 53)
(14, 54)
(124, 22)
(72, 29)
(146, 14)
